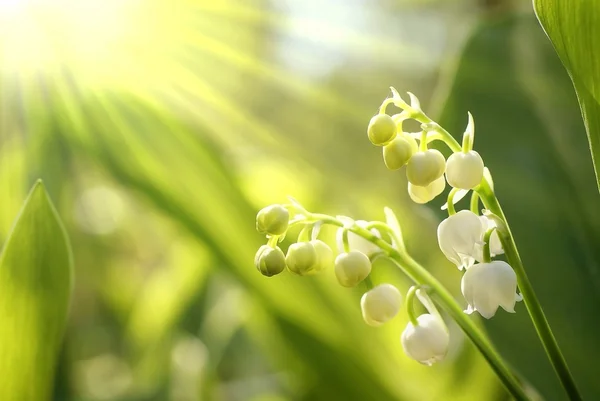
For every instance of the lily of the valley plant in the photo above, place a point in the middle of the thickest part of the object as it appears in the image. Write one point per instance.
(468, 238)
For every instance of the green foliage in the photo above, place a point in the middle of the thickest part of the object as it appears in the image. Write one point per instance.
(36, 280)
(160, 146)
(574, 29)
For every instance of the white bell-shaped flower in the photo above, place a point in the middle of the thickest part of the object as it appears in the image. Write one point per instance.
(351, 268)
(428, 341)
(356, 242)
(495, 244)
(425, 194)
(486, 286)
(424, 167)
(460, 236)
(464, 170)
(380, 304)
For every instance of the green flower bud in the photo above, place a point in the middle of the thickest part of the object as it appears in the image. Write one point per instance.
(425, 167)
(269, 261)
(301, 258)
(382, 129)
(324, 256)
(272, 220)
(398, 152)
(351, 268)
(464, 170)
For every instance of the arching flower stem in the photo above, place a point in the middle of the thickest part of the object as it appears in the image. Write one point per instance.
(421, 276)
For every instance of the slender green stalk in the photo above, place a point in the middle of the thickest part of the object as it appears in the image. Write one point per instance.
(531, 302)
(422, 277)
(487, 256)
(450, 202)
(410, 305)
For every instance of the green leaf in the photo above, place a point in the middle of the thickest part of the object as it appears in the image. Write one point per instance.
(574, 29)
(35, 287)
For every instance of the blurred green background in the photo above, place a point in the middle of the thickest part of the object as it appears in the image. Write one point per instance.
(161, 127)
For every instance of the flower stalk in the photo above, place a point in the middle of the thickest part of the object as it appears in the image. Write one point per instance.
(540, 322)
(440, 294)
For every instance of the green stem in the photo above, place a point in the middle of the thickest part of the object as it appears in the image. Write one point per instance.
(304, 235)
(382, 227)
(474, 206)
(345, 240)
(450, 202)
(487, 255)
(421, 276)
(410, 305)
(531, 302)
(423, 143)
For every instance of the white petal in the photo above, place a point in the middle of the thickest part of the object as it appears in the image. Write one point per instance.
(458, 236)
(380, 304)
(486, 286)
(427, 342)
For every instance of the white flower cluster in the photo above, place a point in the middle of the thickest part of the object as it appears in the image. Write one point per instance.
(486, 285)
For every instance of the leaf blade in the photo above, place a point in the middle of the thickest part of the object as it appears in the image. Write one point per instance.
(574, 30)
(36, 281)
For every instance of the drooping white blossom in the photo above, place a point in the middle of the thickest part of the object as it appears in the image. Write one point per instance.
(424, 167)
(460, 236)
(380, 304)
(351, 268)
(428, 341)
(487, 286)
(464, 170)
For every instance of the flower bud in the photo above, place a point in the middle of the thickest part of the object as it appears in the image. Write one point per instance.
(464, 170)
(382, 129)
(399, 151)
(301, 258)
(459, 237)
(272, 220)
(423, 168)
(351, 268)
(425, 194)
(428, 341)
(486, 286)
(324, 256)
(356, 242)
(380, 304)
(269, 261)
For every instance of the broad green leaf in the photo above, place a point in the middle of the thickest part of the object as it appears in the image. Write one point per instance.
(574, 29)
(35, 287)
